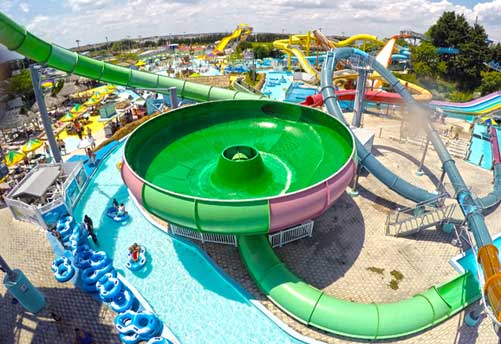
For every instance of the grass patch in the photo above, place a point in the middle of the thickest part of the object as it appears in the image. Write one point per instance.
(397, 275)
(393, 284)
(376, 270)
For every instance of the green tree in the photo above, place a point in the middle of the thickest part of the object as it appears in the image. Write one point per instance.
(426, 62)
(261, 52)
(20, 85)
(242, 46)
(469, 63)
(491, 82)
(450, 30)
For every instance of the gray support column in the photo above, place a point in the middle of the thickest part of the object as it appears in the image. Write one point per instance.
(35, 79)
(420, 171)
(173, 98)
(358, 107)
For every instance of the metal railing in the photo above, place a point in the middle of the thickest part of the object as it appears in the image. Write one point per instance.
(291, 234)
(226, 239)
(414, 219)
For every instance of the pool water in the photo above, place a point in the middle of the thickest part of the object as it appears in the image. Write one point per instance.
(191, 296)
(276, 85)
(297, 93)
(480, 148)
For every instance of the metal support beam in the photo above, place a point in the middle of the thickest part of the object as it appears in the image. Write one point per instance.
(10, 273)
(173, 98)
(420, 171)
(358, 107)
(35, 79)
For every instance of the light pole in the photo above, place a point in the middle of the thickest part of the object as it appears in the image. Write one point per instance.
(35, 79)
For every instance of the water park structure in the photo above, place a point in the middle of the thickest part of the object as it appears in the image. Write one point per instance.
(243, 31)
(240, 165)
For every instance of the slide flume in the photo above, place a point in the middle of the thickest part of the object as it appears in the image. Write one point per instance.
(242, 31)
(477, 107)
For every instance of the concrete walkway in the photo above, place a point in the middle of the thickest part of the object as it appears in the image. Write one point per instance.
(25, 247)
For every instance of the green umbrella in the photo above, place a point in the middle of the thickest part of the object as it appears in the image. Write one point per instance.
(13, 157)
(68, 117)
(32, 145)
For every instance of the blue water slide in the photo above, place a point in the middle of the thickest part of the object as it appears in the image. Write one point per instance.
(466, 200)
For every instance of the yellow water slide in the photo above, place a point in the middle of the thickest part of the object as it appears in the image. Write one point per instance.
(243, 31)
(294, 44)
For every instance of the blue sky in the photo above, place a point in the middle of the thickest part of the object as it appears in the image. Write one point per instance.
(90, 21)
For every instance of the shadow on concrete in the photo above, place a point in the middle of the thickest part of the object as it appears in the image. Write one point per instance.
(76, 309)
(338, 239)
(415, 161)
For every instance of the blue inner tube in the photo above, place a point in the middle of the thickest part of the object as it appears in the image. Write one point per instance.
(142, 326)
(91, 275)
(139, 263)
(109, 287)
(63, 269)
(112, 212)
(123, 301)
(99, 259)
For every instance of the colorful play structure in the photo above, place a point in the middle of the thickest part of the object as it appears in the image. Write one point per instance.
(243, 31)
(243, 165)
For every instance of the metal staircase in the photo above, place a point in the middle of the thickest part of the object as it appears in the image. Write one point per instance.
(408, 221)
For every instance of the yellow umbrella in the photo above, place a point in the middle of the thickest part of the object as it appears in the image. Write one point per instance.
(92, 101)
(68, 117)
(488, 120)
(13, 157)
(32, 145)
(78, 109)
(140, 63)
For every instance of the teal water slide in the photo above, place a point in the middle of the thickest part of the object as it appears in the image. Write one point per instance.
(302, 301)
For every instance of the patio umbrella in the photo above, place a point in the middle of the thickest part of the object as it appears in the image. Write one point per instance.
(68, 117)
(488, 120)
(13, 157)
(32, 145)
(77, 109)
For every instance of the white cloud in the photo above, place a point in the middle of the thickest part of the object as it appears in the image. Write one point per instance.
(93, 20)
(23, 6)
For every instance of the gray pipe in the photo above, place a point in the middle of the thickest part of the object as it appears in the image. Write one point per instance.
(366, 158)
(469, 205)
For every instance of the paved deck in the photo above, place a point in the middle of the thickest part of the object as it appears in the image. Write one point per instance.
(24, 246)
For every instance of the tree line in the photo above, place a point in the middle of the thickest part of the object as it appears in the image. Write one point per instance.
(467, 69)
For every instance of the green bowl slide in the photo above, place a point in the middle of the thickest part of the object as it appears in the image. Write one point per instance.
(365, 321)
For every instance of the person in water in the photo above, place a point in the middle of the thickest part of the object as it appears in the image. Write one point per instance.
(121, 210)
(134, 251)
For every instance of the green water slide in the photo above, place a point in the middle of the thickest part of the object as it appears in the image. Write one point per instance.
(313, 307)
(17, 38)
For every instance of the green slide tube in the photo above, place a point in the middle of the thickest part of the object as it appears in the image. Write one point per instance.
(357, 320)
(17, 38)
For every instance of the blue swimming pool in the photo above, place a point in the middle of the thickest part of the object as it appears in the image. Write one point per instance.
(191, 296)
(480, 147)
(276, 85)
(297, 92)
